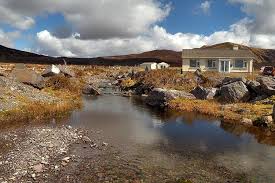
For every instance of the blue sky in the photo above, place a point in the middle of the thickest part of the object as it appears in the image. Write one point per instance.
(186, 16)
(111, 27)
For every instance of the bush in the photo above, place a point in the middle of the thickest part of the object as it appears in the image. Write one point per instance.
(60, 82)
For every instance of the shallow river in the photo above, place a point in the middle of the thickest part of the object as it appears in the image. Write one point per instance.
(129, 121)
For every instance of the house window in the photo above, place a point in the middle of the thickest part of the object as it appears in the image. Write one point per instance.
(211, 64)
(194, 63)
(240, 64)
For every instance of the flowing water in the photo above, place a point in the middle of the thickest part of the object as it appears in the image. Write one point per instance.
(173, 140)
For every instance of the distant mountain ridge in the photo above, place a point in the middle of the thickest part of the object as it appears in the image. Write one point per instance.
(264, 57)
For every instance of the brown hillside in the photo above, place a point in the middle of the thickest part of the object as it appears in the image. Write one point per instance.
(264, 57)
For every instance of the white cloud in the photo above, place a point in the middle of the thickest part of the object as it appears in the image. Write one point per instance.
(93, 19)
(156, 38)
(7, 38)
(263, 15)
(16, 20)
(112, 27)
(205, 7)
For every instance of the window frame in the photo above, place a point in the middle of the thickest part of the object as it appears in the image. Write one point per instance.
(197, 63)
(213, 63)
(244, 64)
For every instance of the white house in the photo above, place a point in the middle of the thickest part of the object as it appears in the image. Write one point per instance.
(149, 65)
(163, 65)
(221, 60)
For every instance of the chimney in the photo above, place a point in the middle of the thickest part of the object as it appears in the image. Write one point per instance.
(235, 47)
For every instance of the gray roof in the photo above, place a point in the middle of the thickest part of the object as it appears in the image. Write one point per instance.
(216, 53)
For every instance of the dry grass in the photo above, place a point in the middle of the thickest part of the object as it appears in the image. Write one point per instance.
(231, 112)
(62, 83)
(127, 83)
(36, 111)
(166, 78)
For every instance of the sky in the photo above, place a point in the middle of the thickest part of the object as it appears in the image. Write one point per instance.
(91, 28)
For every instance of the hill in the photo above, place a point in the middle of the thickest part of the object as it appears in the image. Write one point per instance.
(264, 57)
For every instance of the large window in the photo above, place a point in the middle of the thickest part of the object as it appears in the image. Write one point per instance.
(211, 63)
(240, 64)
(194, 63)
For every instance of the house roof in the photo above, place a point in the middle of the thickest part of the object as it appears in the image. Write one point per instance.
(147, 63)
(216, 53)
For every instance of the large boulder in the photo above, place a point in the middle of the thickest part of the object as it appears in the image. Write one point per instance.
(51, 70)
(228, 80)
(160, 97)
(90, 90)
(267, 85)
(234, 92)
(204, 93)
(28, 77)
(64, 69)
(141, 89)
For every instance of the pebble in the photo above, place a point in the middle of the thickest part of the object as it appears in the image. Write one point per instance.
(105, 144)
(67, 159)
(38, 168)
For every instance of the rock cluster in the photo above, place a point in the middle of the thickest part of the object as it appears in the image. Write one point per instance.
(160, 97)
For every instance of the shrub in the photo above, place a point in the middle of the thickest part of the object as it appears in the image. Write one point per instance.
(60, 82)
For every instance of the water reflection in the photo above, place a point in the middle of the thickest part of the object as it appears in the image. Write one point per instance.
(232, 146)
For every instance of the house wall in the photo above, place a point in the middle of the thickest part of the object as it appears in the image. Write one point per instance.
(245, 70)
(203, 66)
(149, 66)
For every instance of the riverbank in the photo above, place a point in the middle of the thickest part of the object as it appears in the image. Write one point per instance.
(242, 99)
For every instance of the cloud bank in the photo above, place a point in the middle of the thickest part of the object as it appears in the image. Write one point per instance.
(113, 27)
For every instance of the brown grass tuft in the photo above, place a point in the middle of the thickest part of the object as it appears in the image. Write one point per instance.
(231, 112)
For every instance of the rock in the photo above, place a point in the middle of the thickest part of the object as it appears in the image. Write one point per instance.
(264, 121)
(28, 77)
(254, 86)
(66, 159)
(143, 89)
(247, 121)
(38, 168)
(267, 85)
(2, 83)
(200, 78)
(66, 71)
(273, 112)
(228, 80)
(90, 90)
(51, 71)
(160, 97)
(86, 139)
(234, 92)
(104, 144)
(217, 82)
(116, 82)
(202, 93)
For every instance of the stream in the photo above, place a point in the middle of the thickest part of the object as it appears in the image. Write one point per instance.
(182, 144)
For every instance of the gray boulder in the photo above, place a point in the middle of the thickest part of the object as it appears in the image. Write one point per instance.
(267, 85)
(203, 93)
(160, 97)
(28, 77)
(90, 90)
(228, 80)
(2, 83)
(66, 71)
(254, 86)
(234, 92)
